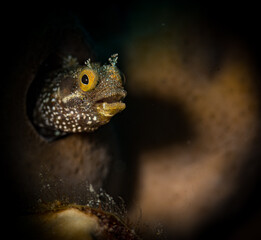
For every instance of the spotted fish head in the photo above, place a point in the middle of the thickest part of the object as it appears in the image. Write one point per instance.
(81, 98)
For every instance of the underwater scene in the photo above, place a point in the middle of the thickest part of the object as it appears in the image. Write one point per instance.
(131, 120)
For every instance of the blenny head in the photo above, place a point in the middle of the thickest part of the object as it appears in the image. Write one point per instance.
(80, 98)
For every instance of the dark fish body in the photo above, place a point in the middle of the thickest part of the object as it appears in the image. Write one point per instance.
(79, 98)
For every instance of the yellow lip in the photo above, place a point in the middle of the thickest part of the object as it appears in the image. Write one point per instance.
(107, 110)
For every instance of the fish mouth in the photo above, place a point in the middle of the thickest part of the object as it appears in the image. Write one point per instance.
(110, 104)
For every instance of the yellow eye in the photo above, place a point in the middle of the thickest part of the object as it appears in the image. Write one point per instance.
(87, 80)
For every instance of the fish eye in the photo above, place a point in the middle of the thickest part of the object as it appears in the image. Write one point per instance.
(87, 79)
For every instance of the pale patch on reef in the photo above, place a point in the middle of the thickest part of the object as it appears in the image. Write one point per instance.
(99, 218)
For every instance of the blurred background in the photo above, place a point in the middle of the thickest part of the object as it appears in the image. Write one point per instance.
(190, 134)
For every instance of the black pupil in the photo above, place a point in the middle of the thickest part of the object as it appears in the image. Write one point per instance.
(85, 79)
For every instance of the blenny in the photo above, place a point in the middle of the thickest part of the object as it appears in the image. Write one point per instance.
(79, 98)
